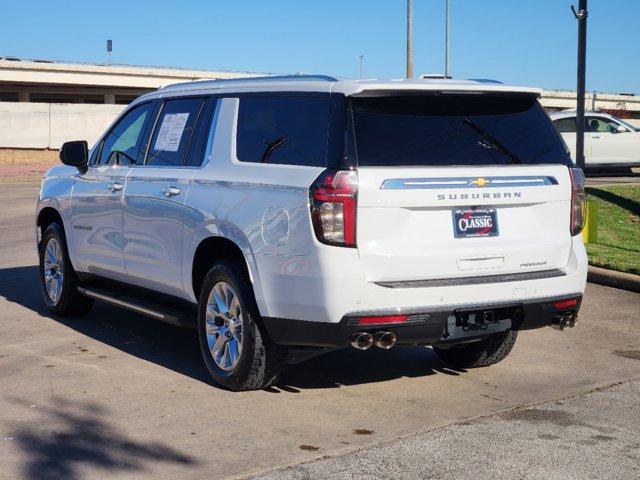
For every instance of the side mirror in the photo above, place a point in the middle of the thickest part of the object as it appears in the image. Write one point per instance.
(75, 154)
(621, 129)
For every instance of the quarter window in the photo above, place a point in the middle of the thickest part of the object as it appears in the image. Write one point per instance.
(284, 130)
(172, 133)
(122, 144)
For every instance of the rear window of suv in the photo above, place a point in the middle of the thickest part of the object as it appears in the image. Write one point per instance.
(454, 129)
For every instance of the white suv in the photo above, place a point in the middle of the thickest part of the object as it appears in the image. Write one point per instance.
(288, 216)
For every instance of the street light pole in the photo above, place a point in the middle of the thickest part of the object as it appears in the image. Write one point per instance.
(361, 69)
(447, 49)
(581, 16)
(409, 38)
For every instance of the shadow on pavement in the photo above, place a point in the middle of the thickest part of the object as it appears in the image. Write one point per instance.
(72, 437)
(177, 349)
(629, 205)
(352, 367)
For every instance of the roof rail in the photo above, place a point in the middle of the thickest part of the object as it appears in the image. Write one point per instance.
(486, 80)
(267, 78)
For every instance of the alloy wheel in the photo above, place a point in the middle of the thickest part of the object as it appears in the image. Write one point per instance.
(53, 270)
(223, 323)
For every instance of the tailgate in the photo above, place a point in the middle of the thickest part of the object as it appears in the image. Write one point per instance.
(420, 223)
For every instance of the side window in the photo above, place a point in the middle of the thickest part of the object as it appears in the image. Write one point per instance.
(285, 130)
(601, 125)
(172, 133)
(121, 145)
(200, 147)
(566, 125)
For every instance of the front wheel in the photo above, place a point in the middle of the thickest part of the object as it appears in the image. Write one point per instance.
(236, 350)
(482, 353)
(58, 279)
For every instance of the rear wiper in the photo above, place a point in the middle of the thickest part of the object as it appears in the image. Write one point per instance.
(495, 143)
(271, 146)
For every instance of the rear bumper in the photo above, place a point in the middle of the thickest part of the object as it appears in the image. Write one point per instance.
(424, 326)
(330, 285)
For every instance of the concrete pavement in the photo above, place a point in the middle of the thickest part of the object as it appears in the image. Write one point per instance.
(588, 436)
(118, 395)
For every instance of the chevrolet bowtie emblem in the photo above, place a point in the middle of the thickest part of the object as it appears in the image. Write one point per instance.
(480, 182)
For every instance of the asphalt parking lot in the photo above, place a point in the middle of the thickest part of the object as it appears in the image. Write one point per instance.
(118, 395)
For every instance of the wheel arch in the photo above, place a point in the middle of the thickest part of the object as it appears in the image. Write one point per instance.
(46, 217)
(210, 250)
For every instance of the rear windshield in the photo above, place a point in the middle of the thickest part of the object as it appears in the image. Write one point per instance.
(450, 129)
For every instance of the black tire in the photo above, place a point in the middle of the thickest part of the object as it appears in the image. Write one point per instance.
(260, 361)
(483, 353)
(69, 302)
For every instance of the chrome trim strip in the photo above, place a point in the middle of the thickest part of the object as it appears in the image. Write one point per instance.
(446, 282)
(467, 182)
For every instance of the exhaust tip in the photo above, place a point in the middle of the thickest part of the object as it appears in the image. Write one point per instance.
(361, 340)
(385, 340)
(564, 322)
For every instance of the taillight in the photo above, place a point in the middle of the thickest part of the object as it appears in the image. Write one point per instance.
(578, 201)
(333, 207)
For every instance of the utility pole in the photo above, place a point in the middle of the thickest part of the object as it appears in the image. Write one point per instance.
(409, 38)
(447, 42)
(361, 69)
(581, 16)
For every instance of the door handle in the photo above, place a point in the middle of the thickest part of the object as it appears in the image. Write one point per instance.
(116, 187)
(171, 191)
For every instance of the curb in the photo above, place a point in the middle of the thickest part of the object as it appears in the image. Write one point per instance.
(611, 278)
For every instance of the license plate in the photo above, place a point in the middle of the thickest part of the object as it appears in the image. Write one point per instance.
(475, 223)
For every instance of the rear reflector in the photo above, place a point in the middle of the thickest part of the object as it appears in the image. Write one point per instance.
(565, 304)
(384, 319)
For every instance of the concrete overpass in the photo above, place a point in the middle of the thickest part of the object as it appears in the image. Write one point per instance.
(44, 81)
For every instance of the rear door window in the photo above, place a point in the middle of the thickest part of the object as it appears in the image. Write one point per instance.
(200, 146)
(454, 129)
(172, 133)
(291, 130)
(565, 125)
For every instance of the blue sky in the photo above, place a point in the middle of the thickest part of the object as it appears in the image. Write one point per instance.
(523, 42)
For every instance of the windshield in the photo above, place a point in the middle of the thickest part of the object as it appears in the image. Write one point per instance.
(629, 125)
(454, 129)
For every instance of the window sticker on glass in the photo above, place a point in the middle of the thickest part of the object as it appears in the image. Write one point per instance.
(170, 132)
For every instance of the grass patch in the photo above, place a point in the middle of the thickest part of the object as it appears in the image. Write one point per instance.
(618, 246)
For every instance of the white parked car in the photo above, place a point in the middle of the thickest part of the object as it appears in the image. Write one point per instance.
(288, 216)
(608, 141)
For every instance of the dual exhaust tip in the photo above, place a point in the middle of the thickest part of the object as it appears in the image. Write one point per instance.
(565, 322)
(364, 340)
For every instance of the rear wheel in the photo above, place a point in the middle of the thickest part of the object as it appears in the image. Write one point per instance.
(58, 279)
(482, 353)
(235, 348)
